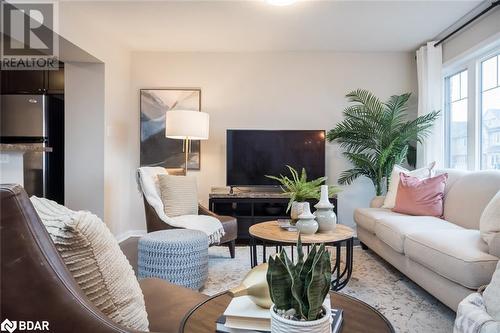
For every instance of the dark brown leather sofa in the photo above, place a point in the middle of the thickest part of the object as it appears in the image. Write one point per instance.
(36, 285)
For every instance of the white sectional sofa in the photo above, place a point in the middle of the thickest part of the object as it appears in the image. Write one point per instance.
(447, 257)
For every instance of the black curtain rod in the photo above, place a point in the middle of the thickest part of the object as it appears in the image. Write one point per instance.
(493, 5)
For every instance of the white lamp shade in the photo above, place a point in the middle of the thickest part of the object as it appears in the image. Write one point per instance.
(183, 124)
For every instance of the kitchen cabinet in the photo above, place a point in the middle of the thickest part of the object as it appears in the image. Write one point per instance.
(23, 82)
(55, 81)
(33, 82)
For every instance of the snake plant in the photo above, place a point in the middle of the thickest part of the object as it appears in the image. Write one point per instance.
(302, 286)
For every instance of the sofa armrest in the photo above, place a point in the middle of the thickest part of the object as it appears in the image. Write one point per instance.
(202, 210)
(377, 202)
(494, 246)
(167, 304)
(229, 223)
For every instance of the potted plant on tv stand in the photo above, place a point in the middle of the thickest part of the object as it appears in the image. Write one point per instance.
(299, 189)
(298, 291)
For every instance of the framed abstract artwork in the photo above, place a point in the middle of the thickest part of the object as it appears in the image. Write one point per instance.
(156, 149)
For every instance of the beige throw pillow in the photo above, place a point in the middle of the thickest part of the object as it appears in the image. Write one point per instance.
(489, 223)
(179, 195)
(491, 295)
(95, 260)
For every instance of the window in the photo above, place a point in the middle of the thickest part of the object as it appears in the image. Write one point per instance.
(490, 113)
(456, 87)
(472, 113)
(494, 138)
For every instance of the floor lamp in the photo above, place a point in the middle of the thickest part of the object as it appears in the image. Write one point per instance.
(186, 125)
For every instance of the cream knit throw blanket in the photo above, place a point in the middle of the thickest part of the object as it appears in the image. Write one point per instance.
(147, 181)
(472, 316)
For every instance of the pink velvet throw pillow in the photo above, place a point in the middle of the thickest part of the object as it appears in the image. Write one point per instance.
(422, 197)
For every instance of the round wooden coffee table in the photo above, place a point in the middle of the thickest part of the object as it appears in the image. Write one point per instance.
(341, 238)
(359, 317)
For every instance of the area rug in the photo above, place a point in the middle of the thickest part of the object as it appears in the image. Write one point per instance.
(407, 306)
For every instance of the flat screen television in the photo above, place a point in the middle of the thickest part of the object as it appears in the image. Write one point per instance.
(253, 154)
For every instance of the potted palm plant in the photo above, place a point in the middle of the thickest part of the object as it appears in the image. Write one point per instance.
(377, 135)
(298, 291)
(299, 189)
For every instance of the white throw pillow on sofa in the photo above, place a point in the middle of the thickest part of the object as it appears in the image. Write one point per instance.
(422, 173)
(489, 223)
(491, 295)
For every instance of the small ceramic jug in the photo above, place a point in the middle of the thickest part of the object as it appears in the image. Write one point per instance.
(306, 224)
(325, 216)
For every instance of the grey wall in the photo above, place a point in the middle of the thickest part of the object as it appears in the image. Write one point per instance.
(276, 90)
(472, 36)
(84, 137)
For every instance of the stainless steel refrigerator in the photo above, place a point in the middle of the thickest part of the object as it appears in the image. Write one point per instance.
(23, 120)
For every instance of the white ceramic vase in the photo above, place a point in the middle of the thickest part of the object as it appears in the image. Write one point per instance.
(282, 325)
(327, 220)
(307, 224)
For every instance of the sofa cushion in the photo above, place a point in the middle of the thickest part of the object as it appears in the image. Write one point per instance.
(468, 196)
(393, 230)
(95, 260)
(453, 176)
(459, 255)
(489, 223)
(367, 217)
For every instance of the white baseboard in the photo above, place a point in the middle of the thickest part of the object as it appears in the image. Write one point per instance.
(128, 234)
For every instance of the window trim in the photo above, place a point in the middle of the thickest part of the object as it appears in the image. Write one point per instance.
(472, 64)
(489, 55)
(447, 112)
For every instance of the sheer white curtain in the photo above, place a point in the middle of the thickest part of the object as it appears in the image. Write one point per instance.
(430, 98)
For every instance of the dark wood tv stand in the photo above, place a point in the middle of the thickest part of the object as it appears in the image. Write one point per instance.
(251, 207)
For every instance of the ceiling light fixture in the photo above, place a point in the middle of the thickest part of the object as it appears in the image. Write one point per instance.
(280, 2)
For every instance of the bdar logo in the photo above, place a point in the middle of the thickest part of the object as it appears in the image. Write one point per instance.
(24, 325)
(8, 325)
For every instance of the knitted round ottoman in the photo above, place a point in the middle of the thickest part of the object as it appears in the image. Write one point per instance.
(179, 256)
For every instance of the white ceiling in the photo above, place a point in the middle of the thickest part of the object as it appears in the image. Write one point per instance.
(371, 26)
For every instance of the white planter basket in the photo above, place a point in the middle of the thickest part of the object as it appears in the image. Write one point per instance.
(282, 325)
(296, 209)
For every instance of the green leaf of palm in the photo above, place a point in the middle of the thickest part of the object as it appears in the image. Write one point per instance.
(347, 177)
(376, 135)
